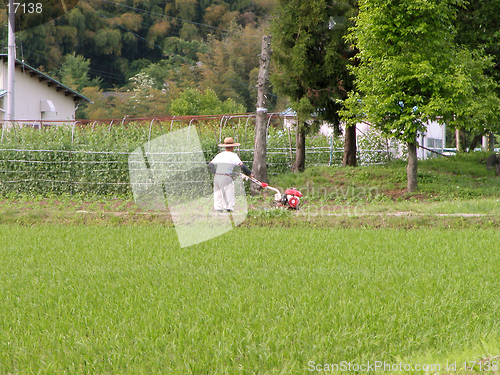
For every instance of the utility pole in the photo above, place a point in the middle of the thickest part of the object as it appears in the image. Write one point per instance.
(259, 168)
(488, 142)
(11, 62)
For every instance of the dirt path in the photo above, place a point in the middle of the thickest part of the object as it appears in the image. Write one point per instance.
(117, 212)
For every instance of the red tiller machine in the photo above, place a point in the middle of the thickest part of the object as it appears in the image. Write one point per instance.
(289, 199)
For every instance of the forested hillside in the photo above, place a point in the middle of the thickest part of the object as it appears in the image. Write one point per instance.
(134, 57)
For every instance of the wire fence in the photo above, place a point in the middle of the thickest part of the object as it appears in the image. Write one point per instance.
(92, 157)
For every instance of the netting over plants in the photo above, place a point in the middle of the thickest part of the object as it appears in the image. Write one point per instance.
(93, 158)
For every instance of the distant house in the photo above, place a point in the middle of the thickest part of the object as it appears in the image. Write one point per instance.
(432, 140)
(38, 98)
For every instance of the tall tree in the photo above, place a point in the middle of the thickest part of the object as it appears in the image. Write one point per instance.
(74, 73)
(228, 64)
(311, 58)
(477, 29)
(478, 109)
(193, 102)
(411, 70)
(40, 45)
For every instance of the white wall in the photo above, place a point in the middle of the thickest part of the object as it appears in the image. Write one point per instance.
(433, 138)
(28, 94)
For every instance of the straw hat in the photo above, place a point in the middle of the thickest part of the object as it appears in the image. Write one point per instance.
(229, 142)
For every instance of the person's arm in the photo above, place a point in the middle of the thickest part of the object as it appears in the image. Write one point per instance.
(212, 167)
(245, 169)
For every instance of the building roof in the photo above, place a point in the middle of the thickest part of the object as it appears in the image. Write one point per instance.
(289, 112)
(50, 81)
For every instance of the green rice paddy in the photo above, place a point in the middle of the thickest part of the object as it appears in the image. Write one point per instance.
(128, 300)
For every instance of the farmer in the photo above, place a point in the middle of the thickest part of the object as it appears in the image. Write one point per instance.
(222, 165)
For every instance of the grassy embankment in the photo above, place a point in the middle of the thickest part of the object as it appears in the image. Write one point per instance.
(456, 191)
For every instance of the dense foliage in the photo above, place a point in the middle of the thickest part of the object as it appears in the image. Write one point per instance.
(312, 56)
(108, 46)
(412, 71)
(94, 159)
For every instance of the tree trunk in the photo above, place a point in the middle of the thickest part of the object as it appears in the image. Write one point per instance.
(350, 147)
(259, 166)
(475, 141)
(300, 152)
(460, 140)
(411, 169)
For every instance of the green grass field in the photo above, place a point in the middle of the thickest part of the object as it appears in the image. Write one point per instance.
(365, 272)
(101, 299)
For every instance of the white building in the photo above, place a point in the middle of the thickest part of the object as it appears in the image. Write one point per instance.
(432, 139)
(37, 97)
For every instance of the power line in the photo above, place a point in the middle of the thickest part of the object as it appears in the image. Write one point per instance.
(175, 18)
(100, 73)
(172, 53)
(144, 39)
